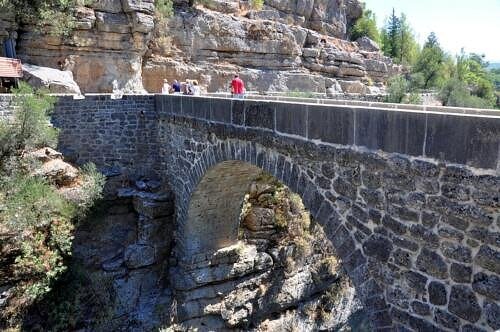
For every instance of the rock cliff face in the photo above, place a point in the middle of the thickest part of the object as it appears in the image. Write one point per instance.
(288, 45)
(108, 43)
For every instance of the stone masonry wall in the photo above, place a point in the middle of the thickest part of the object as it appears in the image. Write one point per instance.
(119, 135)
(409, 199)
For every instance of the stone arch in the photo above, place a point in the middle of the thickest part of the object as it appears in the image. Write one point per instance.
(215, 205)
(244, 160)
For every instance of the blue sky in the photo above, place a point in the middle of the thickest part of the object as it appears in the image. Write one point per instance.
(474, 25)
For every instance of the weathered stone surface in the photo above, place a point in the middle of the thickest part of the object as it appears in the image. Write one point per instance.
(463, 303)
(139, 255)
(487, 285)
(457, 252)
(432, 263)
(56, 81)
(437, 293)
(58, 172)
(420, 308)
(447, 320)
(185, 149)
(378, 247)
(492, 314)
(460, 273)
(488, 258)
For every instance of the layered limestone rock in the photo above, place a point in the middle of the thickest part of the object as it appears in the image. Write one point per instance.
(286, 46)
(108, 43)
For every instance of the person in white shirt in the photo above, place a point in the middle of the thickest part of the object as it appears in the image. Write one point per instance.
(165, 88)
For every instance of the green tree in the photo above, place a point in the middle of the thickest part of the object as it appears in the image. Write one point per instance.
(398, 40)
(366, 26)
(472, 70)
(390, 36)
(431, 63)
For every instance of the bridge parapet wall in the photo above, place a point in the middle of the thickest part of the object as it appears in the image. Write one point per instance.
(467, 139)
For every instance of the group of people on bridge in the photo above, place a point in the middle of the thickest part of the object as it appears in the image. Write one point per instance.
(191, 87)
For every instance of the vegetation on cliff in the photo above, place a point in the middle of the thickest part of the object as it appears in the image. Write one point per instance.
(463, 81)
(39, 207)
(56, 17)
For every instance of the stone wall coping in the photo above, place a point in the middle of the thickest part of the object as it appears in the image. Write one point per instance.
(321, 101)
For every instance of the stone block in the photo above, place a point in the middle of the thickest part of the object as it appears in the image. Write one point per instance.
(488, 258)
(437, 293)
(492, 313)
(291, 119)
(463, 303)
(432, 264)
(420, 308)
(146, 6)
(460, 273)
(110, 6)
(331, 124)
(416, 281)
(201, 108)
(238, 112)
(456, 251)
(259, 114)
(402, 258)
(109, 22)
(378, 247)
(142, 22)
(220, 110)
(464, 140)
(390, 131)
(487, 285)
(447, 320)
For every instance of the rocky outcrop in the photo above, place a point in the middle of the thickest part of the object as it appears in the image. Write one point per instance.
(108, 43)
(56, 81)
(285, 46)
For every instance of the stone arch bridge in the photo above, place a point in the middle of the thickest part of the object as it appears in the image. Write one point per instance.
(408, 198)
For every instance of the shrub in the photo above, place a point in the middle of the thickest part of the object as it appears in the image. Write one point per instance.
(30, 126)
(300, 94)
(455, 93)
(396, 89)
(164, 8)
(257, 4)
(34, 216)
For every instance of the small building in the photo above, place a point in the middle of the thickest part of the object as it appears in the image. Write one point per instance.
(10, 71)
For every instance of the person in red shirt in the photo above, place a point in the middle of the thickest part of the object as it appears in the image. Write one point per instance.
(237, 87)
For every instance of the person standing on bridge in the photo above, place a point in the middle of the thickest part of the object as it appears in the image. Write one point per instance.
(165, 89)
(176, 86)
(237, 87)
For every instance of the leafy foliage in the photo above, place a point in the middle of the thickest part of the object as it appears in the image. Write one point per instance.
(366, 25)
(257, 4)
(30, 127)
(164, 8)
(398, 40)
(34, 216)
(400, 90)
(56, 17)
(455, 93)
(431, 63)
